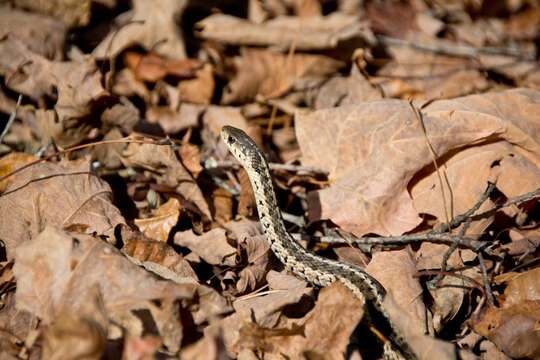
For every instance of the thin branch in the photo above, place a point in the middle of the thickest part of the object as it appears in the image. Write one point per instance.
(395, 241)
(485, 279)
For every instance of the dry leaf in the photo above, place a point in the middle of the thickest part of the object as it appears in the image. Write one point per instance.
(377, 200)
(267, 74)
(162, 256)
(58, 271)
(168, 170)
(312, 33)
(200, 89)
(72, 13)
(317, 333)
(41, 34)
(152, 67)
(211, 246)
(159, 226)
(60, 195)
(151, 25)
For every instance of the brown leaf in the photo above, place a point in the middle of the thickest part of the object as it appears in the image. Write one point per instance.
(341, 91)
(41, 34)
(191, 158)
(59, 195)
(223, 204)
(58, 271)
(200, 89)
(79, 335)
(78, 84)
(344, 140)
(312, 33)
(395, 270)
(158, 227)
(270, 74)
(416, 74)
(151, 25)
(11, 162)
(522, 287)
(211, 246)
(152, 67)
(159, 253)
(317, 333)
(513, 329)
(72, 13)
(168, 170)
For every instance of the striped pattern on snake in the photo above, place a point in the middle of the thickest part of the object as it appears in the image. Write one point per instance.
(310, 267)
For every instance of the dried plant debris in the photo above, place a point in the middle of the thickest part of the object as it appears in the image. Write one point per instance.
(403, 138)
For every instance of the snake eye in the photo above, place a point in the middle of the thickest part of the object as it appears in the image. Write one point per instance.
(231, 140)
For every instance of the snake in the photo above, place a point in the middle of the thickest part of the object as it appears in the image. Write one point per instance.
(306, 265)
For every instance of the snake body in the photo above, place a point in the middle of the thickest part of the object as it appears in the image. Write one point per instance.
(310, 267)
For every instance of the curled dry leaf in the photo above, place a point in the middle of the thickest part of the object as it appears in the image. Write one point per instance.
(168, 170)
(61, 195)
(58, 271)
(151, 25)
(191, 158)
(268, 74)
(158, 227)
(377, 199)
(514, 329)
(312, 33)
(147, 251)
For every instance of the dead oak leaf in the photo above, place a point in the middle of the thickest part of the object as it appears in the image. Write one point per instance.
(168, 170)
(311, 33)
(58, 271)
(269, 74)
(317, 333)
(163, 220)
(61, 195)
(211, 246)
(373, 151)
(152, 67)
(41, 34)
(77, 83)
(151, 25)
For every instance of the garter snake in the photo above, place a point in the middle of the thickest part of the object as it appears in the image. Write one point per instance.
(304, 264)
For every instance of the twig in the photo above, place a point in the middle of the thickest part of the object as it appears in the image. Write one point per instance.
(485, 279)
(460, 219)
(457, 50)
(512, 201)
(78, 147)
(475, 283)
(11, 119)
(396, 241)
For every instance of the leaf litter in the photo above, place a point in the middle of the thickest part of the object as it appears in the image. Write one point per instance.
(403, 138)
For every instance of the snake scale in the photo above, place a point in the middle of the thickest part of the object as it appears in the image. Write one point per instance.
(310, 267)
